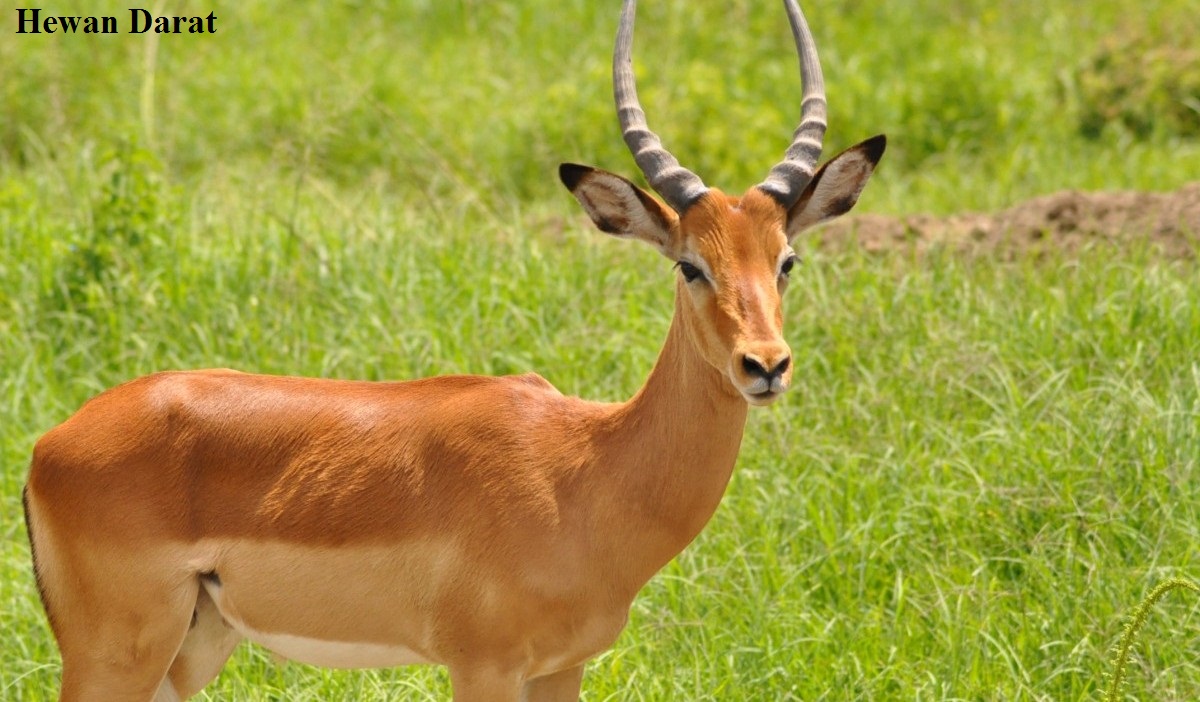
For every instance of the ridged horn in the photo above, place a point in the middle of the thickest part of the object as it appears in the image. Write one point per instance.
(678, 186)
(789, 177)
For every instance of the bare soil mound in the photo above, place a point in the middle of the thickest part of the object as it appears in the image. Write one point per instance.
(1167, 222)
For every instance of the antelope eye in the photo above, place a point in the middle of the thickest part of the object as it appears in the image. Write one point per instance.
(788, 263)
(689, 271)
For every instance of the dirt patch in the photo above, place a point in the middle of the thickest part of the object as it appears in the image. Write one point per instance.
(1070, 220)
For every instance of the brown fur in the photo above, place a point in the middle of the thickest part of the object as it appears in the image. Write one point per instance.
(492, 525)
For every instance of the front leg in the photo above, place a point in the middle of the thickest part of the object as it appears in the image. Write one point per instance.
(562, 686)
(485, 684)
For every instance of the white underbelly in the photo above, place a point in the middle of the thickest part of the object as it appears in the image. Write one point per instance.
(331, 654)
(374, 606)
(313, 651)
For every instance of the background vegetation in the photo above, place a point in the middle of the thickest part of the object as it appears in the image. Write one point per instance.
(984, 464)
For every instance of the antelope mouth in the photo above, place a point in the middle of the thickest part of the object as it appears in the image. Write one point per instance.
(761, 399)
(762, 392)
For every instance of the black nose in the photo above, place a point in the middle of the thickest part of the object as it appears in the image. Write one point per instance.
(755, 368)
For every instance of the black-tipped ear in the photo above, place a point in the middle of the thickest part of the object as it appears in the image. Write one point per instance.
(875, 147)
(619, 207)
(835, 188)
(571, 173)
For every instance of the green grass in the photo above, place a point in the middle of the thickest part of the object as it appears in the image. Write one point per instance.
(1116, 680)
(983, 465)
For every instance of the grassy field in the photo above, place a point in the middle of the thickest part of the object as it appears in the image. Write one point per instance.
(983, 466)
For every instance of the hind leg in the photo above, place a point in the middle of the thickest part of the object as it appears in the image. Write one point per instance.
(208, 644)
(118, 643)
(119, 614)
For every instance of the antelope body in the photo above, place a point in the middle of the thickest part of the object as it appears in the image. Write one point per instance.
(491, 525)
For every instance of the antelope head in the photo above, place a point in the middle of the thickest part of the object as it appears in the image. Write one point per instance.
(733, 254)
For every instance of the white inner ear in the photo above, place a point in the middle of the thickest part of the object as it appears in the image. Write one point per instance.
(844, 179)
(842, 182)
(613, 205)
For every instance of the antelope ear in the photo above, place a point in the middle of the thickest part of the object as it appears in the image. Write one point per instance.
(620, 208)
(836, 186)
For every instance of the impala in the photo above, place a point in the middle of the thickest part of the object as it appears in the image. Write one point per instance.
(491, 525)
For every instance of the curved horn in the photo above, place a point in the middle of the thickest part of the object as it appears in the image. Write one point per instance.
(676, 184)
(789, 177)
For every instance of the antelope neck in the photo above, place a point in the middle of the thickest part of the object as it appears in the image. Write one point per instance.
(674, 444)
